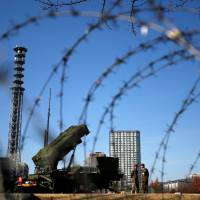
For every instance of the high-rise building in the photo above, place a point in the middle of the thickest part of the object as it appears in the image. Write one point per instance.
(126, 146)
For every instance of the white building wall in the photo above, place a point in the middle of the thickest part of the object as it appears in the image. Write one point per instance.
(126, 146)
(177, 185)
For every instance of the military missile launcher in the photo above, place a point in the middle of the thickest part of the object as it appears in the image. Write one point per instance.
(46, 160)
(48, 178)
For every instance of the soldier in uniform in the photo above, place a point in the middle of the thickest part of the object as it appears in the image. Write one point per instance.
(135, 180)
(144, 178)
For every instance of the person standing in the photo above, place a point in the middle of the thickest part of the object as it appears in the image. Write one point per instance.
(144, 178)
(134, 179)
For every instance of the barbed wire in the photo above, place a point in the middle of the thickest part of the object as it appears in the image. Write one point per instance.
(128, 85)
(188, 101)
(193, 165)
(93, 27)
(109, 70)
(49, 4)
(62, 81)
(132, 13)
(170, 7)
(15, 27)
(171, 128)
(36, 103)
(106, 73)
(169, 33)
(103, 7)
(64, 61)
(172, 31)
(53, 14)
(146, 72)
(118, 62)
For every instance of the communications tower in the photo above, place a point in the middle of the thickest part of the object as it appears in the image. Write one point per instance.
(17, 102)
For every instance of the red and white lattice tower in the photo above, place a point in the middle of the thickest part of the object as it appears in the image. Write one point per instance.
(16, 109)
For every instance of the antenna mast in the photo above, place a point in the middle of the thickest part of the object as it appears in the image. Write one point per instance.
(46, 133)
(14, 137)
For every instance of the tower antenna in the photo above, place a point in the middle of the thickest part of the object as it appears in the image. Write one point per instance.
(46, 133)
(14, 137)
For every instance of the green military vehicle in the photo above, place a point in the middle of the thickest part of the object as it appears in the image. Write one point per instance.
(48, 178)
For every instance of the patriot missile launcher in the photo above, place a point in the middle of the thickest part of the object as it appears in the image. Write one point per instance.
(46, 160)
(48, 178)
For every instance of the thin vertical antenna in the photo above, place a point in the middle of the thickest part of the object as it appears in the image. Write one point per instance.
(46, 136)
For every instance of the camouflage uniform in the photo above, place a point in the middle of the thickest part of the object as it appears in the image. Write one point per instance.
(135, 180)
(144, 178)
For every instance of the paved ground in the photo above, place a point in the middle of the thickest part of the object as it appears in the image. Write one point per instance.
(99, 196)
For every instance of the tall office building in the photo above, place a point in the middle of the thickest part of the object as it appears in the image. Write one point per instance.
(126, 146)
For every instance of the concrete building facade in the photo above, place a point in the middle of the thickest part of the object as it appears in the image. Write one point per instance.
(126, 146)
(92, 159)
(177, 185)
(181, 185)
